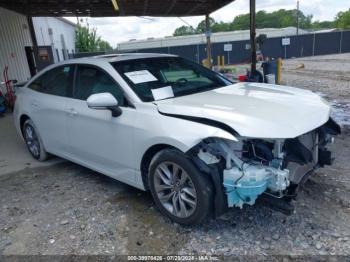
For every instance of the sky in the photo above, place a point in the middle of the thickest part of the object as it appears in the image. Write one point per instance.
(121, 29)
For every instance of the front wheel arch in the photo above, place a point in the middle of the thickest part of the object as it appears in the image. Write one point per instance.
(201, 181)
(147, 159)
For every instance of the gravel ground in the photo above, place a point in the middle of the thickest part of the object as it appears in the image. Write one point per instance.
(68, 209)
(328, 75)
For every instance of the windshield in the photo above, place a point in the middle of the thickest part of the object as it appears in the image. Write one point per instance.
(166, 77)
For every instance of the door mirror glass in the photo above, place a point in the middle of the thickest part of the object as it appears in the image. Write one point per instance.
(104, 101)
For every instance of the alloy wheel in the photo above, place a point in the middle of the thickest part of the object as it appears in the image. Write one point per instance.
(175, 189)
(32, 140)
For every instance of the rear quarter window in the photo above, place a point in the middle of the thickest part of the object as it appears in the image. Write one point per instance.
(58, 81)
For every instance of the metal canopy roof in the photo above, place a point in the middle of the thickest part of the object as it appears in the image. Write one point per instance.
(105, 8)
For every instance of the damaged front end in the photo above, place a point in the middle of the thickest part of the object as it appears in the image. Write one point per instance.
(270, 171)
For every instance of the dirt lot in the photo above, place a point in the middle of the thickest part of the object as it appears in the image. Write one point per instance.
(328, 75)
(68, 209)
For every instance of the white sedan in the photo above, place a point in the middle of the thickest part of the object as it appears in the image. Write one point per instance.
(197, 141)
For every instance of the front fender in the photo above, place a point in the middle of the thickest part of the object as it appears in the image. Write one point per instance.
(185, 140)
(178, 133)
(153, 128)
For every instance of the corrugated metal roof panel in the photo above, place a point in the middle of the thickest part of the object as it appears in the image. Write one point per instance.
(100, 8)
(201, 39)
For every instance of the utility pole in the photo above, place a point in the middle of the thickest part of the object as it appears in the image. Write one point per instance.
(31, 31)
(32, 51)
(253, 36)
(208, 33)
(298, 17)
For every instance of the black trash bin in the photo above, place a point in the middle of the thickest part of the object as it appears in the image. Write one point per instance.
(269, 68)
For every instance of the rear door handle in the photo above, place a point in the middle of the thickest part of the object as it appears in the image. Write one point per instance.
(34, 104)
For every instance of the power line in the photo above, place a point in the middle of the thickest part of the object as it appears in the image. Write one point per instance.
(185, 22)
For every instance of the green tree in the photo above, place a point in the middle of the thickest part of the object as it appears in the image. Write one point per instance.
(87, 40)
(277, 19)
(282, 18)
(201, 28)
(104, 46)
(221, 27)
(184, 30)
(342, 20)
(323, 24)
(241, 22)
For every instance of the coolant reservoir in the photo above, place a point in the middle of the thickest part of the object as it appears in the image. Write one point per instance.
(244, 186)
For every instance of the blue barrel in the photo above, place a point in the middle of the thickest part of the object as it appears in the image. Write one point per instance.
(2, 105)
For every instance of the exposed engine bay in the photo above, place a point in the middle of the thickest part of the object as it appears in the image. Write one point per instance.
(253, 168)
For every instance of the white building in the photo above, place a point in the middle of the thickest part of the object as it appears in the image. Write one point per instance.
(57, 32)
(15, 37)
(201, 38)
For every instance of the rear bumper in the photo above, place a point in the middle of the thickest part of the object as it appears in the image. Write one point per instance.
(16, 121)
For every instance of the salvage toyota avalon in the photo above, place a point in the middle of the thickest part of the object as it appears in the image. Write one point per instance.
(199, 142)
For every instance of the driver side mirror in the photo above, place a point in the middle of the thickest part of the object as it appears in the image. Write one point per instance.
(104, 101)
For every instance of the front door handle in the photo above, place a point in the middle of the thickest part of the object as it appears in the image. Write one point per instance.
(72, 112)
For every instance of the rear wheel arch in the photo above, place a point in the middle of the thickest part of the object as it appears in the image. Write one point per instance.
(32, 138)
(22, 120)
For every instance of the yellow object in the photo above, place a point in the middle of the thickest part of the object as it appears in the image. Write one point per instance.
(205, 62)
(279, 71)
(115, 5)
(221, 61)
(300, 66)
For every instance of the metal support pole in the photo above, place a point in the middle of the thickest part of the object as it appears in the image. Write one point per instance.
(198, 61)
(341, 42)
(208, 33)
(31, 31)
(253, 36)
(285, 52)
(313, 44)
(33, 68)
(298, 18)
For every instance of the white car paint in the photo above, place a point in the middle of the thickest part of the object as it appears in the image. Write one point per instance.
(255, 110)
(112, 146)
(116, 146)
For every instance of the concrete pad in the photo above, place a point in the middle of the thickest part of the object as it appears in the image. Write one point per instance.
(14, 155)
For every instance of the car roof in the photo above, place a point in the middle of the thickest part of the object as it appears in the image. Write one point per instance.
(119, 57)
(100, 60)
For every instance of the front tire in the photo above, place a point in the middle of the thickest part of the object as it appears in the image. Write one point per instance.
(179, 189)
(33, 141)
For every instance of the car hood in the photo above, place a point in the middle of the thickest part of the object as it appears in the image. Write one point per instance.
(254, 110)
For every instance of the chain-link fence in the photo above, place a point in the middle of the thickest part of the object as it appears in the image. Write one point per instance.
(294, 46)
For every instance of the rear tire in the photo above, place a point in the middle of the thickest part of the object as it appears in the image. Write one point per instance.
(33, 141)
(180, 191)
